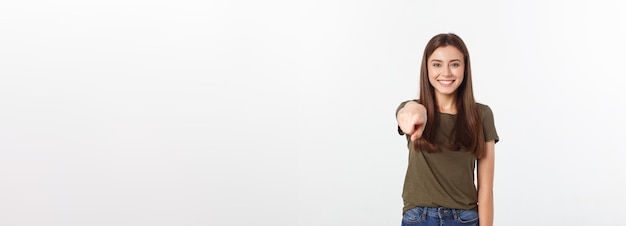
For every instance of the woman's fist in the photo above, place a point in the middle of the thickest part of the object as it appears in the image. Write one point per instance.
(412, 119)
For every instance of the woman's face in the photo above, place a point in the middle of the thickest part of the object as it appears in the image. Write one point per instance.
(446, 70)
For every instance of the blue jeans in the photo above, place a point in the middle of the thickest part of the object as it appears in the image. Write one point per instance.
(439, 216)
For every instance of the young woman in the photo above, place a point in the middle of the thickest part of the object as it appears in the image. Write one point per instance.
(448, 135)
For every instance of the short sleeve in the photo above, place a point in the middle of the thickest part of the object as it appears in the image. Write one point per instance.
(489, 127)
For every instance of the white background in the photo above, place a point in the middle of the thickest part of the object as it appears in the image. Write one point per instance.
(281, 113)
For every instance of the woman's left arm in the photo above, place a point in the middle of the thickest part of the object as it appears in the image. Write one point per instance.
(485, 185)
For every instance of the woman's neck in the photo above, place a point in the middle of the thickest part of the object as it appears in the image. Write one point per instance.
(446, 104)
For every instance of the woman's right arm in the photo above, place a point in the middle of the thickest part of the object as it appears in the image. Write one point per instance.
(412, 119)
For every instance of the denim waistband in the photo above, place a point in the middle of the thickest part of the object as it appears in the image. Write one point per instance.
(439, 211)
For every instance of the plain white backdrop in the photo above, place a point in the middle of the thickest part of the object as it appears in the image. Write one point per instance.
(281, 113)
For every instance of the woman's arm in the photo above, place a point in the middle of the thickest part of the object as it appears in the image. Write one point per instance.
(485, 185)
(412, 119)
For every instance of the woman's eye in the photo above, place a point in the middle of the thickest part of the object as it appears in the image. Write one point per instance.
(456, 65)
(436, 65)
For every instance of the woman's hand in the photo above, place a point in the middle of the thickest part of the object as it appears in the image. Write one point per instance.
(412, 119)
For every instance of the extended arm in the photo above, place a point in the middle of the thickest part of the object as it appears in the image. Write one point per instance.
(412, 119)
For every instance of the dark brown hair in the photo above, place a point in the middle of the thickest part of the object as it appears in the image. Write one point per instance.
(468, 130)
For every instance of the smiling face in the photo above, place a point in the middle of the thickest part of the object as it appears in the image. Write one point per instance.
(446, 70)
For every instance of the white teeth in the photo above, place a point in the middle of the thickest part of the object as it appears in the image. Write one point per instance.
(446, 82)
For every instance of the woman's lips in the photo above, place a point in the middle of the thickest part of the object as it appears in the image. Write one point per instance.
(445, 83)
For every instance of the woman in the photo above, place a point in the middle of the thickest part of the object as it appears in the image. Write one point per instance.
(447, 133)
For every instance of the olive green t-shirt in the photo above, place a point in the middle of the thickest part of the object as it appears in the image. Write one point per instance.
(446, 178)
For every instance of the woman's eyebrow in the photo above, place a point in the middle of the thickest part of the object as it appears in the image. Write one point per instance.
(438, 60)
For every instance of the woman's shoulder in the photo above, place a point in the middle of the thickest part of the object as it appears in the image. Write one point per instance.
(483, 109)
(482, 106)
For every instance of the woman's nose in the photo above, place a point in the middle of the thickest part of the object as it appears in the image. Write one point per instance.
(446, 72)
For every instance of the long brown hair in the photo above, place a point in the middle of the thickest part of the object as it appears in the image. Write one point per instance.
(468, 129)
